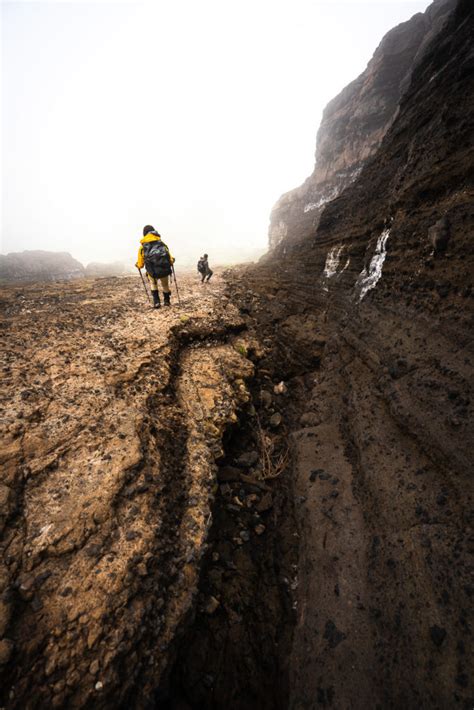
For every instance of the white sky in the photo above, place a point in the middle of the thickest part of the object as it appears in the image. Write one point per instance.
(191, 115)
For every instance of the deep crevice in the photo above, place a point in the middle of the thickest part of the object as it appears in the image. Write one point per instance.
(235, 650)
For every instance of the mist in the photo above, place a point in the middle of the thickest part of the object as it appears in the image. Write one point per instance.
(192, 117)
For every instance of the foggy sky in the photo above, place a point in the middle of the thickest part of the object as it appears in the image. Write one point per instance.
(191, 116)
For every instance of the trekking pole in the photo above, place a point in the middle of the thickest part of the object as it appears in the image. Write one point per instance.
(143, 282)
(176, 284)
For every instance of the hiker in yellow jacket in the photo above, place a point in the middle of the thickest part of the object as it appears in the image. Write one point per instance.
(155, 256)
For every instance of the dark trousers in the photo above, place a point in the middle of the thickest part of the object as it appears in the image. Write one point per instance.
(206, 275)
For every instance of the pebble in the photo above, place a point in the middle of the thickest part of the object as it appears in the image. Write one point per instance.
(275, 420)
(225, 489)
(233, 508)
(309, 419)
(244, 535)
(99, 685)
(260, 529)
(319, 473)
(26, 589)
(266, 503)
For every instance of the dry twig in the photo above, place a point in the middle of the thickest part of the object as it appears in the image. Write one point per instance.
(272, 466)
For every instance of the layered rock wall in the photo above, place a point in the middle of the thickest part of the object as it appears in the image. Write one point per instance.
(371, 316)
(354, 124)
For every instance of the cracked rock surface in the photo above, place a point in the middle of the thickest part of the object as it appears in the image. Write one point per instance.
(112, 416)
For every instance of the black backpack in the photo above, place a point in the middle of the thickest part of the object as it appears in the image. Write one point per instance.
(157, 259)
(201, 266)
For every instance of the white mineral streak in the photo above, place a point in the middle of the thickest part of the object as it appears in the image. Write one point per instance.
(332, 261)
(344, 178)
(368, 278)
(355, 174)
(331, 195)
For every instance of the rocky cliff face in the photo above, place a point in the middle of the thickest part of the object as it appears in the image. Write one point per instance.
(354, 124)
(370, 315)
(39, 266)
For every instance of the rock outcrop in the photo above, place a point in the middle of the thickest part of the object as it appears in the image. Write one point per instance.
(112, 420)
(39, 265)
(354, 124)
(370, 318)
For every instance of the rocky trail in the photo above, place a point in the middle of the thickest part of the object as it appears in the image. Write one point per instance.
(118, 527)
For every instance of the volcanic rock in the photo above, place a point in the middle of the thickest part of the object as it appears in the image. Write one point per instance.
(354, 124)
(108, 490)
(247, 459)
(382, 481)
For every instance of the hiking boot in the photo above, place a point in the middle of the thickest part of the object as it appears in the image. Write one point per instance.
(167, 297)
(156, 299)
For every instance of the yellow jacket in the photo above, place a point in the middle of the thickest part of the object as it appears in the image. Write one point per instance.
(150, 237)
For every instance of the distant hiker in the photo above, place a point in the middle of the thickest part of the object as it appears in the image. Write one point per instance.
(156, 257)
(203, 268)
